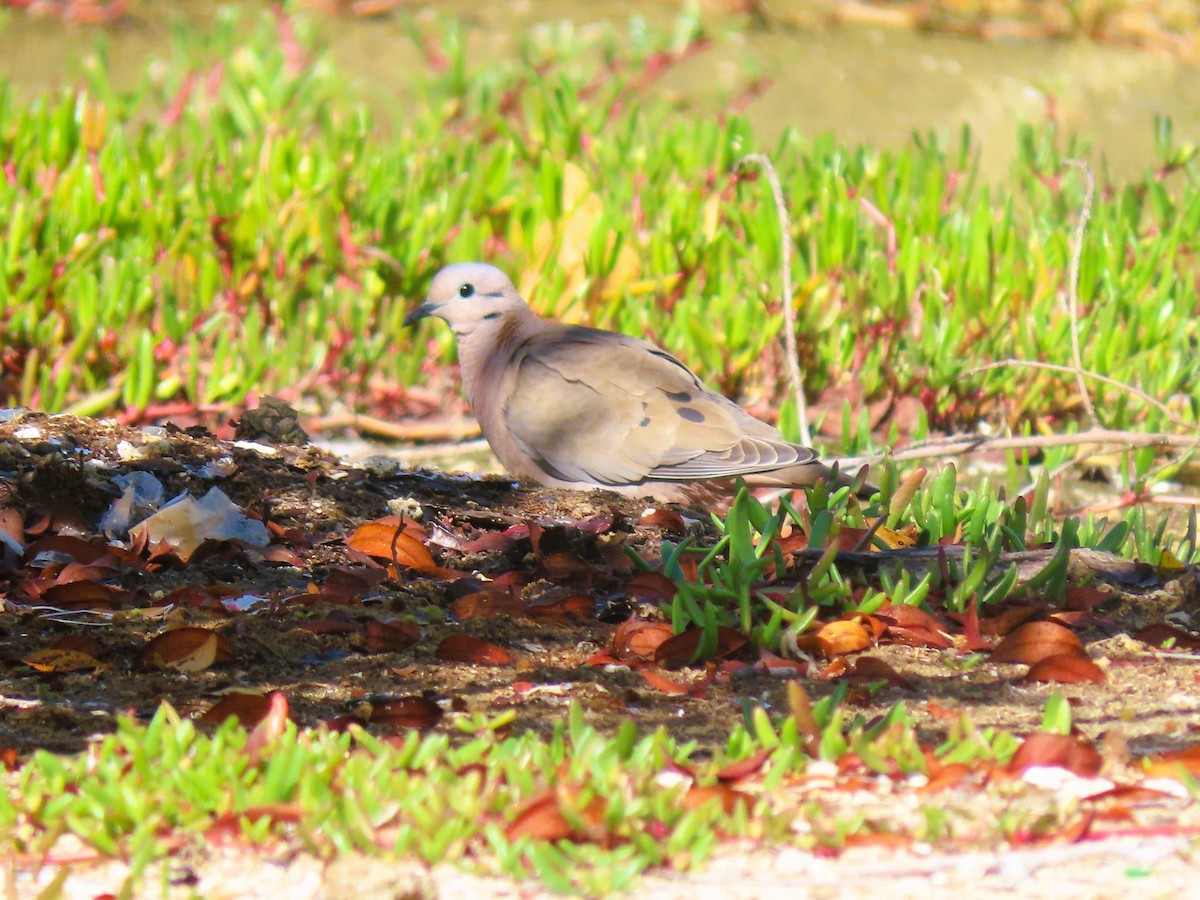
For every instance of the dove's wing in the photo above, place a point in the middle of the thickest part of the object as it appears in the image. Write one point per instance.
(597, 407)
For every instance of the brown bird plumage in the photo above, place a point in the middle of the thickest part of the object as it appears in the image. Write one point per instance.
(576, 407)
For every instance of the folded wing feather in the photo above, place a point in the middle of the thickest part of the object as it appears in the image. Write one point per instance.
(592, 406)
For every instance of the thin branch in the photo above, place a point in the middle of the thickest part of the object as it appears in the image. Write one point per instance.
(789, 310)
(875, 214)
(1080, 372)
(442, 429)
(1085, 213)
(957, 445)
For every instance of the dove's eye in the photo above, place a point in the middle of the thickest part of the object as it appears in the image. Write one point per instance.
(466, 290)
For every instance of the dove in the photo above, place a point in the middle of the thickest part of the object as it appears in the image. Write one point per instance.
(574, 407)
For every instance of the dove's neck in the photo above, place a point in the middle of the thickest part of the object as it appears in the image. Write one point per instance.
(485, 353)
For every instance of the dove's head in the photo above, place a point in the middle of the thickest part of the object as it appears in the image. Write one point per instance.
(467, 295)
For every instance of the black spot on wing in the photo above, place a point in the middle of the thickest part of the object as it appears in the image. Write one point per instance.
(692, 415)
(678, 396)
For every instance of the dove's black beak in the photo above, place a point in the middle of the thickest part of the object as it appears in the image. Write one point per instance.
(425, 309)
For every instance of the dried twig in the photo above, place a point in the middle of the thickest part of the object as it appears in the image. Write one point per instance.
(789, 310)
(1085, 213)
(445, 429)
(956, 445)
(1085, 373)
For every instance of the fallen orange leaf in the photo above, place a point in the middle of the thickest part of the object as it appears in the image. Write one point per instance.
(639, 639)
(78, 595)
(652, 586)
(1074, 753)
(1066, 668)
(188, 649)
(406, 712)
(744, 768)
(247, 708)
(679, 650)
(390, 637)
(663, 683)
(842, 637)
(541, 820)
(269, 728)
(55, 661)
(1035, 641)
(1160, 633)
(466, 649)
(489, 603)
(729, 798)
(81, 643)
(391, 539)
(870, 668)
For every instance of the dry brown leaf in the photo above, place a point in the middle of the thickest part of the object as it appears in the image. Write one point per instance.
(1066, 668)
(947, 776)
(80, 643)
(1035, 641)
(331, 625)
(188, 649)
(744, 768)
(1008, 620)
(565, 567)
(1177, 764)
(249, 709)
(230, 829)
(57, 661)
(679, 650)
(573, 606)
(912, 626)
(489, 603)
(848, 539)
(392, 539)
(12, 523)
(773, 662)
(1159, 634)
(82, 551)
(541, 820)
(870, 668)
(78, 595)
(884, 839)
(654, 587)
(351, 583)
(639, 639)
(666, 520)
(1085, 597)
(1074, 753)
(466, 649)
(401, 713)
(390, 637)
(728, 797)
(269, 728)
(842, 637)
(662, 683)
(74, 571)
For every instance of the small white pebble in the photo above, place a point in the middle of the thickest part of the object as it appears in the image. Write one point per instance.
(406, 507)
(255, 447)
(218, 468)
(127, 451)
(379, 465)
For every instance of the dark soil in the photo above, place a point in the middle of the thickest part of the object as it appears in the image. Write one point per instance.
(57, 477)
